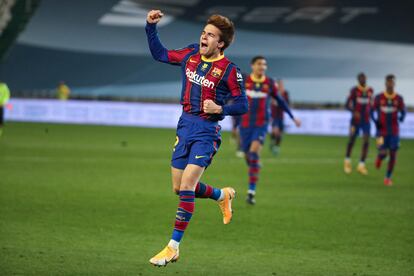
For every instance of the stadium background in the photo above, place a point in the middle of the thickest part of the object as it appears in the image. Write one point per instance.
(99, 48)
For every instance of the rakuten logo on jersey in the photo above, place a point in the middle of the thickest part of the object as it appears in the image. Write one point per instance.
(199, 80)
(388, 109)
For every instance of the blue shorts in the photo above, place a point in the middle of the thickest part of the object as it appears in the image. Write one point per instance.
(196, 143)
(250, 134)
(391, 142)
(279, 123)
(357, 128)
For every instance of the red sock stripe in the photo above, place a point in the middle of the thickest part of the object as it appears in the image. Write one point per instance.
(188, 206)
(180, 225)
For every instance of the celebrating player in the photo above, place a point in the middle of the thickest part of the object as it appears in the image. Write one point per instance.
(209, 81)
(260, 89)
(359, 103)
(387, 111)
(278, 124)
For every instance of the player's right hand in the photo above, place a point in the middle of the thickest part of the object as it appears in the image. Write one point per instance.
(154, 16)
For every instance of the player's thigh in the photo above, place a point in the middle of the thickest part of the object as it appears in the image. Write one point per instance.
(245, 138)
(176, 176)
(354, 131)
(191, 176)
(258, 139)
(256, 146)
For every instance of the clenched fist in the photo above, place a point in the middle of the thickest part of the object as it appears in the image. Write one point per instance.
(154, 16)
(210, 107)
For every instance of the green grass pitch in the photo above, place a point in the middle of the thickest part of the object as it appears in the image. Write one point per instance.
(96, 200)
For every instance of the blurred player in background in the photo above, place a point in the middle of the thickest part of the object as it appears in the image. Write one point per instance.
(388, 111)
(209, 81)
(359, 103)
(277, 113)
(260, 89)
(4, 98)
(63, 91)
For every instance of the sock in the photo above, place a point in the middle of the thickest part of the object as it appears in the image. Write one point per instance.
(391, 163)
(174, 244)
(364, 152)
(254, 170)
(206, 191)
(184, 212)
(350, 146)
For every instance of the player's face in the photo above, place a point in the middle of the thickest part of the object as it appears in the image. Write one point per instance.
(362, 79)
(390, 84)
(210, 44)
(259, 67)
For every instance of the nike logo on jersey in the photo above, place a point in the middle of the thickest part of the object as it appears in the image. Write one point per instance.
(193, 61)
(199, 156)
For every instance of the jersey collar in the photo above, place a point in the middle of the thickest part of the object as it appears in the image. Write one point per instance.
(362, 88)
(262, 79)
(203, 58)
(388, 96)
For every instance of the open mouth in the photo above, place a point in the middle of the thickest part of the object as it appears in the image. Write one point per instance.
(203, 45)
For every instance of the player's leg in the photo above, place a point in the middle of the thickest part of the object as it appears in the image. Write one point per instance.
(362, 169)
(253, 161)
(190, 176)
(276, 138)
(382, 151)
(394, 145)
(351, 141)
(202, 190)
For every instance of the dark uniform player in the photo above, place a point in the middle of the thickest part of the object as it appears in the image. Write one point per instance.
(359, 103)
(278, 124)
(387, 111)
(209, 81)
(260, 89)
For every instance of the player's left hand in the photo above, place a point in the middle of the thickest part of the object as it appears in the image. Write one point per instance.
(210, 107)
(298, 123)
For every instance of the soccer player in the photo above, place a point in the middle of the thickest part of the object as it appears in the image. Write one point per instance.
(209, 81)
(260, 89)
(278, 124)
(387, 111)
(359, 103)
(4, 98)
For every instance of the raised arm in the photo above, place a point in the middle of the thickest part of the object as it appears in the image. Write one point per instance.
(158, 51)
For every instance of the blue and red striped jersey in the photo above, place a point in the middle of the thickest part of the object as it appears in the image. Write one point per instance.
(259, 94)
(359, 103)
(390, 110)
(276, 111)
(203, 79)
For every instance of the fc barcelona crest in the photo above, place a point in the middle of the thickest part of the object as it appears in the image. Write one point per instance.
(216, 72)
